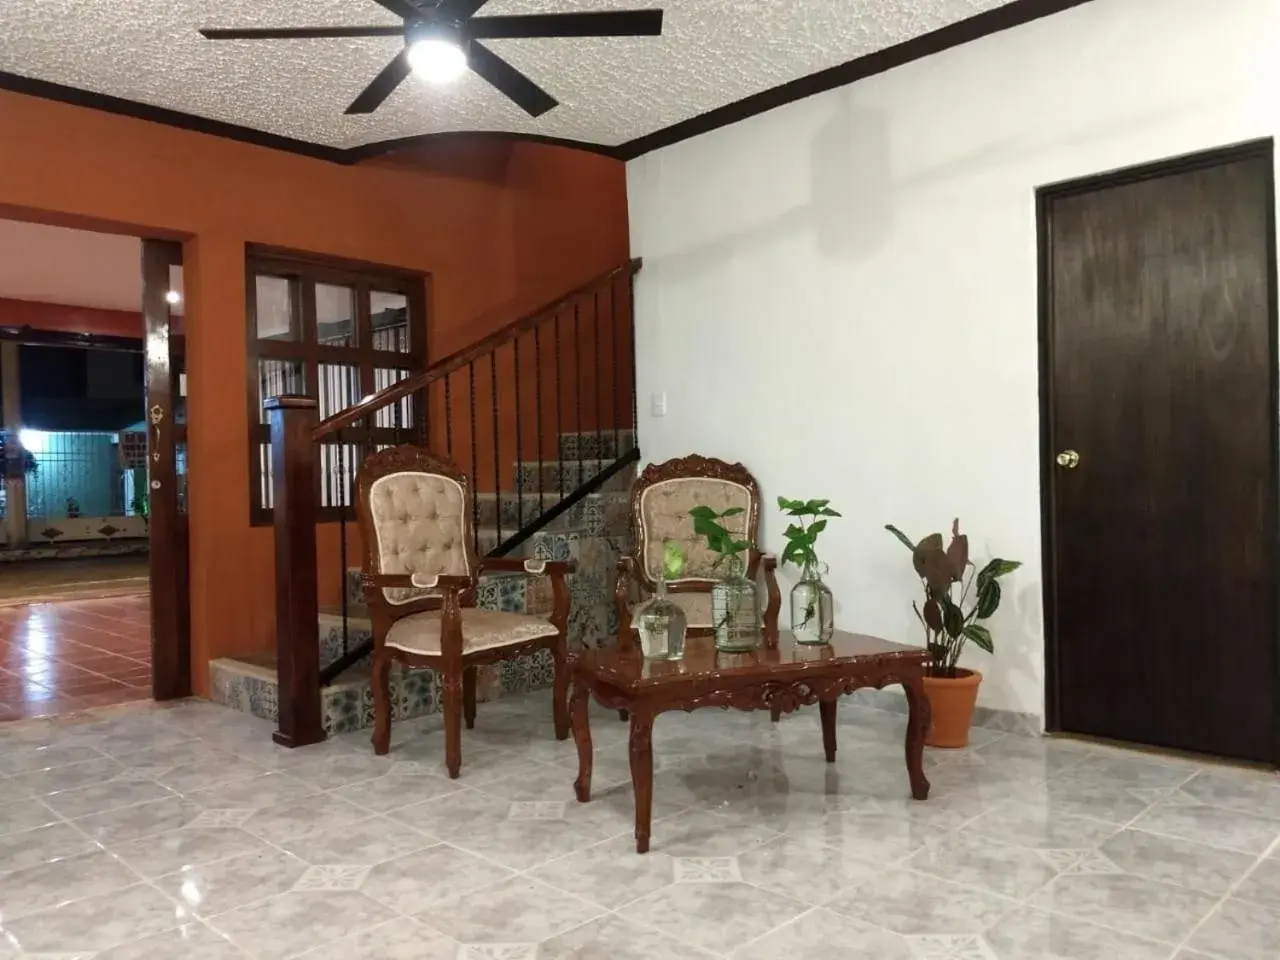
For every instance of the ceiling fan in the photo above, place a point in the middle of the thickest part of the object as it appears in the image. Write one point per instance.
(441, 41)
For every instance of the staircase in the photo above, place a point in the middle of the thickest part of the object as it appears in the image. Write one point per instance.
(541, 416)
(592, 531)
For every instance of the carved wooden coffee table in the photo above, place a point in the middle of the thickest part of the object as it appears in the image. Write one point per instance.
(781, 677)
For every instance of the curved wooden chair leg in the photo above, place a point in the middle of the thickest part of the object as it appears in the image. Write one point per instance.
(381, 703)
(624, 716)
(452, 707)
(560, 693)
(469, 697)
(775, 713)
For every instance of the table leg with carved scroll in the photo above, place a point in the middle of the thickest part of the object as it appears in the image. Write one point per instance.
(918, 714)
(827, 710)
(641, 750)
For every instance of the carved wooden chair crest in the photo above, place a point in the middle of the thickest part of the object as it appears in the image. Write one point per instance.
(661, 499)
(420, 575)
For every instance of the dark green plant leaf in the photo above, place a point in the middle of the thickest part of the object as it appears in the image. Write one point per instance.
(703, 513)
(828, 512)
(933, 614)
(981, 636)
(988, 600)
(999, 568)
(952, 618)
(816, 528)
(731, 512)
(902, 537)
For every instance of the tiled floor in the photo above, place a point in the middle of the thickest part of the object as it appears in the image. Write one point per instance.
(44, 580)
(183, 832)
(72, 655)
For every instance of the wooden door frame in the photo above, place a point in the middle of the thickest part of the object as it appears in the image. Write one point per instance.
(167, 527)
(1045, 197)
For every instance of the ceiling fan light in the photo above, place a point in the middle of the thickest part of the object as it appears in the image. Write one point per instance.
(436, 53)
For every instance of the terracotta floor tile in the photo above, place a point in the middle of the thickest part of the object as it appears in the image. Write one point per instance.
(65, 656)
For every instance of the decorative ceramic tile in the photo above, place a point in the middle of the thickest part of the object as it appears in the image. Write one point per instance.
(515, 676)
(706, 870)
(332, 876)
(536, 810)
(342, 710)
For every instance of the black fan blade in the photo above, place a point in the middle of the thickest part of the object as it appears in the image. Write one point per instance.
(383, 84)
(528, 95)
(609, 23)
(401, 8)
(460, 9)
(301, 33)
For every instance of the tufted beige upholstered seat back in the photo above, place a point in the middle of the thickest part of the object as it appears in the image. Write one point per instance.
(420, 527)
(661, 499)
(664, 515)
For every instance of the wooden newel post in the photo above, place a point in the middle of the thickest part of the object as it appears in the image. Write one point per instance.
(293, 486)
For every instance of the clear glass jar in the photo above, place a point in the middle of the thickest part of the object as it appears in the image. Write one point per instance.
(735, 609)
(812, 606)
(661, 624)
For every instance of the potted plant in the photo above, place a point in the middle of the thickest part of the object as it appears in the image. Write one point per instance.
(735, 602)
(951, 621)
(812, 606)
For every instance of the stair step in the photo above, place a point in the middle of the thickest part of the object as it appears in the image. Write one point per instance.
(589, 443)
(605, 511)
(250, 685)
(555, 476)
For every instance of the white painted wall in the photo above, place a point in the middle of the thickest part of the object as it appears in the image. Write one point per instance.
(842, 293)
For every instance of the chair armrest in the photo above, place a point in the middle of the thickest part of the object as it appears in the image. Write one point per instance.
(533, 566)
(770, 565)
(407, 581)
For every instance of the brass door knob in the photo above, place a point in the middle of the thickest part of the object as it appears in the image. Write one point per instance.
(1068, 459)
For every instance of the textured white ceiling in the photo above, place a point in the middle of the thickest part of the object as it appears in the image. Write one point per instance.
(712, 52)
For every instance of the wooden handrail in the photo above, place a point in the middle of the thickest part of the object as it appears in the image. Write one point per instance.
(460, 358)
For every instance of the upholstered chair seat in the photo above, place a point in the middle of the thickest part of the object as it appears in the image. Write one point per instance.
(481, 630)
(420, 576)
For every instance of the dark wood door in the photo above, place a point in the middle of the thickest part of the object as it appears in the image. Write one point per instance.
(162, 312)
(1160, 377)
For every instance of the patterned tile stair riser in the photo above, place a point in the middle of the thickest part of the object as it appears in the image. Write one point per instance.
(347, 704)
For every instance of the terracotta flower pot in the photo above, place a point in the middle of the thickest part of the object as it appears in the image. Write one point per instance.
(952, 701)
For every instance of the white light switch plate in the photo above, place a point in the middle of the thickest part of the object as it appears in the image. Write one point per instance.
(658, 404)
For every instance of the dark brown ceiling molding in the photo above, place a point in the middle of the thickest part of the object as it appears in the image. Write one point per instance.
(172, 118)
(1012, 14)
(980, 25)
(384, 147)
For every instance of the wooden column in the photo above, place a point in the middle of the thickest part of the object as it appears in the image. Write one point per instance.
(15, 487)
(293, 485)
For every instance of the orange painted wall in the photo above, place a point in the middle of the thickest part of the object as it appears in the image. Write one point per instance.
(498, 235)
(63, 318)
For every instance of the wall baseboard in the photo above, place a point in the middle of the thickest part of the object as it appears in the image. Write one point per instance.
(894, 700)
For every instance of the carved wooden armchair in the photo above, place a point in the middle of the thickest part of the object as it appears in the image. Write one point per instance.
(420, 574)
(661, 499)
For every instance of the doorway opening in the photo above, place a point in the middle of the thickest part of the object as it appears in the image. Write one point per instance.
(77, 505)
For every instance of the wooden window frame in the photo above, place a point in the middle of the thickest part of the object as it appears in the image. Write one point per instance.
(304, 271)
